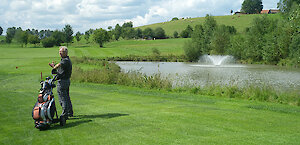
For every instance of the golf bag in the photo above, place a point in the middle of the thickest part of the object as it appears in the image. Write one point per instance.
(44, 109)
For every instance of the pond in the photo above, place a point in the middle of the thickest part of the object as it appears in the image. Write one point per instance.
(203, 73)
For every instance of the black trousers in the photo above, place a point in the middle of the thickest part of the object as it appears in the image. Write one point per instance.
(64, 97)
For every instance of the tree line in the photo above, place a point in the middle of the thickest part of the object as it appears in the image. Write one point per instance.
(126, 31)
(49, 38)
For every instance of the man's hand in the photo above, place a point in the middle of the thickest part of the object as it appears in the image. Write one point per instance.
(52, 64)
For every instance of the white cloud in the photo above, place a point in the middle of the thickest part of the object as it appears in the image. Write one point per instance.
(85, 14)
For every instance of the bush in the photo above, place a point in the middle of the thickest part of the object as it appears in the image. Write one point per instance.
(294, 49)
(110, 73)
(237, 46)
(48, 42)
(191, 50)
(175, 34)
(187, 32)
(159, 33)
(33, 39)
(221, 40)
(194, 48)
(148, 33)
(174, 19)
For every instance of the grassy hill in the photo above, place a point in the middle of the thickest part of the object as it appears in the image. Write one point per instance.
(240, 22)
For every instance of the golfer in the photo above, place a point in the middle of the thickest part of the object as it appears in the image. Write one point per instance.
(64, 71)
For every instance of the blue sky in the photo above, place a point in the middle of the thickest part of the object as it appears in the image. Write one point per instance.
(85, 14)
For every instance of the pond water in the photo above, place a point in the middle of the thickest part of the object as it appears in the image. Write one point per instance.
(201, 74)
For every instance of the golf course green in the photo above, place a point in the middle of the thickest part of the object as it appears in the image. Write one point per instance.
(115, 114)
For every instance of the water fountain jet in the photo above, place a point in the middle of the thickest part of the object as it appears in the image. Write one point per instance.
(216, 60)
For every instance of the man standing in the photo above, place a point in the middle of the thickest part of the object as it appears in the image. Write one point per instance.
(64, 71)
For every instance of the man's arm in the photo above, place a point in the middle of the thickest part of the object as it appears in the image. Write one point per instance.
(57, 66)
(54, 66)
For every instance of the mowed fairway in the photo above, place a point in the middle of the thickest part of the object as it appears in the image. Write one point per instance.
(129, 47)
(112, 114)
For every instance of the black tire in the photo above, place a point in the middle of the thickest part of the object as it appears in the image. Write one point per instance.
(44, 127)
(63, 121)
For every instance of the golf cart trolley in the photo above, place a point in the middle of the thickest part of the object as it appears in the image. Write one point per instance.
(44, 109)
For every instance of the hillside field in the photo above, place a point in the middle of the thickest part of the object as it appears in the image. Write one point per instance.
(240, 22)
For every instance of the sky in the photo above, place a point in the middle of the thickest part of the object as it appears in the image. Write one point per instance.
(85, 14)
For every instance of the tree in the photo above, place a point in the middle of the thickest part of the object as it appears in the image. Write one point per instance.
(258, 37)
(77, 36)
(109, 28)
(10, 34)
(33, 39)
(148, 33)
(58, 37)
(87, 34)
(189, 29)
(174, 19)
(21, 36)
(127, 24)
(175, 34)
(221, 40)
(193, 49)
(118, 31)
(1, 30)
(128, 33)
(68, 33)
(294, 49)
(286, 6)
(100, 36)
(139, 33)
(209, 26)
(187, 32)
(159, 33)
(184, 34)
(48, 42)
(252, 6)
(236, 46)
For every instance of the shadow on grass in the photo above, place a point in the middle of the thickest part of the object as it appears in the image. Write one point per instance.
(81, 46)
(105, 116)
(81, 119)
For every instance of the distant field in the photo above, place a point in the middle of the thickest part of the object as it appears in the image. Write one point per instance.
(2, 38)
(111, 49)
(240, 22)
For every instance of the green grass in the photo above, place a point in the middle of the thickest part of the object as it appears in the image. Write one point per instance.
(2, 37)
(111, 49)
(240, 22)
(113, 114)
(129, 47)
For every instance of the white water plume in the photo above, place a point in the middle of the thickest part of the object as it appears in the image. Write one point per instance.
(216, 59)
